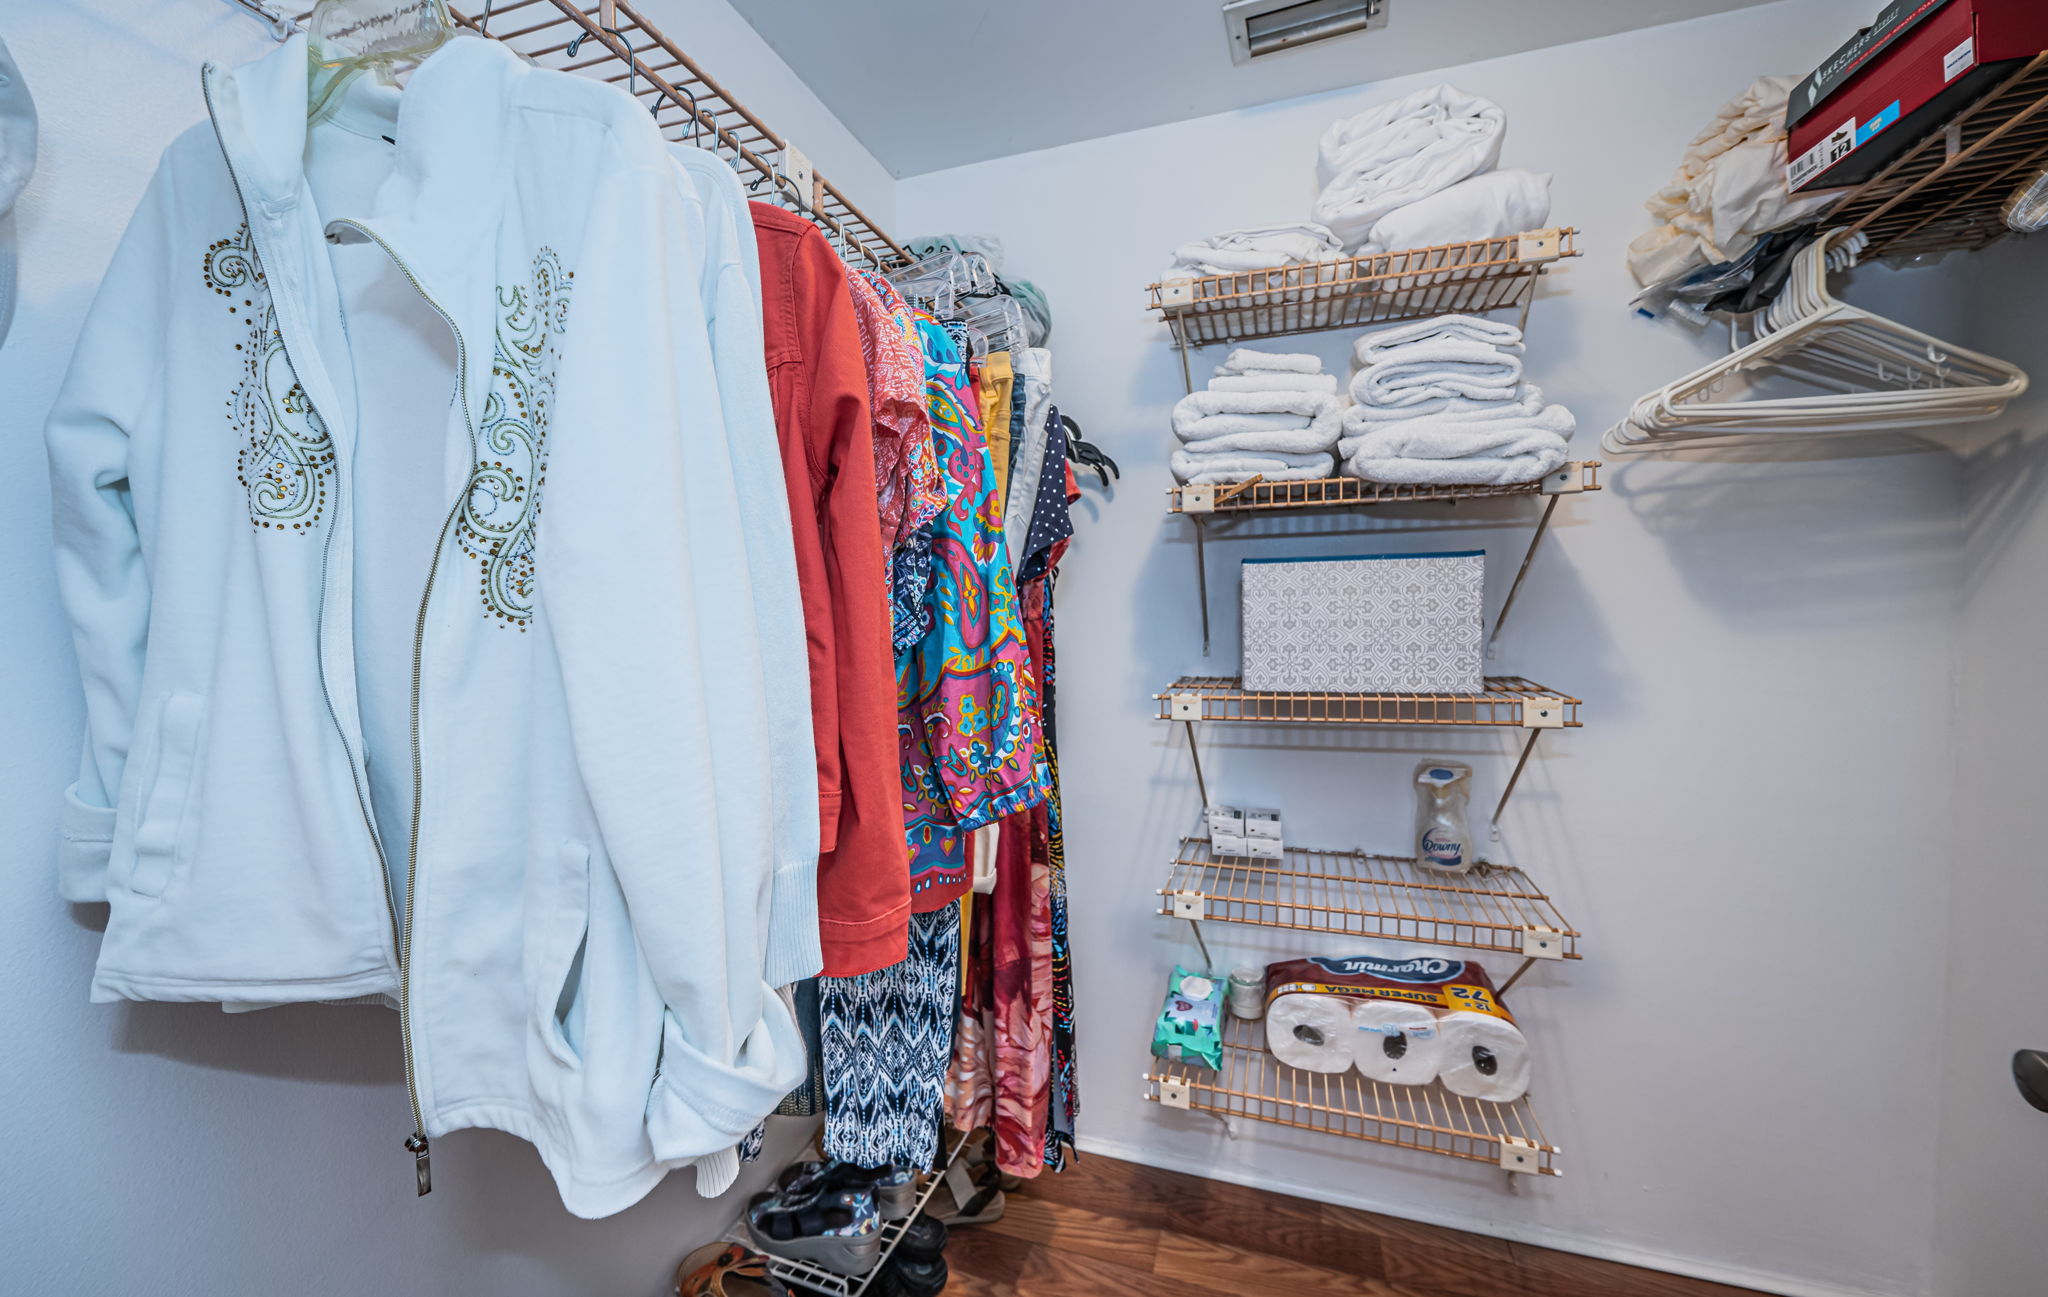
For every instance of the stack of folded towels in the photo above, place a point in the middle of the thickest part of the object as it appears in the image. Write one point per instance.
(1442, 402)
(1265, 415)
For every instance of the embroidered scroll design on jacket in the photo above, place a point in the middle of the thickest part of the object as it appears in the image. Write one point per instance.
(502, 510)
(286, 459)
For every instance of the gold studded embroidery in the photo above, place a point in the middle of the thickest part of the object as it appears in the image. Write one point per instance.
(285, 459)
(502, 510)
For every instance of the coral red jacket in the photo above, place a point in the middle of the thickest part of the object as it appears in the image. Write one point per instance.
(820, 386)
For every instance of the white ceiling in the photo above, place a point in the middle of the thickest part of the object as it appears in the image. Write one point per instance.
(929, 84)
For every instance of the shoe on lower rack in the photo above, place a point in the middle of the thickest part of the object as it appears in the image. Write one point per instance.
(923, 1237)
(726, 1270)
(894, 1187)
(841, 1232)
(915, 1276)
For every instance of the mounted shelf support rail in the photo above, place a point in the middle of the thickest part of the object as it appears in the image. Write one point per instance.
(1508, 702)
(1207, 506)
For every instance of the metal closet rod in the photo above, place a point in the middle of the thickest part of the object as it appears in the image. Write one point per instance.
(623, 35)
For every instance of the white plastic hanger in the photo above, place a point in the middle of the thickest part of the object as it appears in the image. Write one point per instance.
(346, 38)
(1876, 375)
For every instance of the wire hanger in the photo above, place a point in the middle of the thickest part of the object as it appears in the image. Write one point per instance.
(346, 38)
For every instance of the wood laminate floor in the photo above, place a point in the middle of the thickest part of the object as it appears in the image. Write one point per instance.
(1117, 1228)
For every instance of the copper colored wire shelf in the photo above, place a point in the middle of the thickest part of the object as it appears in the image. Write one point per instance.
(1357, 894)
(1462, 278)
(1945, 192)
(615, 43)
(1508, 701)
(1427, 1118)
(1338, 492)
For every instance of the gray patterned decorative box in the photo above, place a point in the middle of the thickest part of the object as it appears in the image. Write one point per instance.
(1381, 623)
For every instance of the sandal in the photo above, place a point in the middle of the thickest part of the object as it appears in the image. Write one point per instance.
(916, 1276)
(726, 1270)
(840, 1231)
(895, 1188)
(986, 1205)
(923, 1237)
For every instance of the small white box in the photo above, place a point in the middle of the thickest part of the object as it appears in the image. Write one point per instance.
(1227, 844)
(1262, 822)
(1226, 820)
(1265, 849)
(1383, 623)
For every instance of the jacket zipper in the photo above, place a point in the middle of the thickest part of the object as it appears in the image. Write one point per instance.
(401, 941)
(416, 1143)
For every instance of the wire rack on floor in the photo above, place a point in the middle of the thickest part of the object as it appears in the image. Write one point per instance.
(1507, 701)
(1945, 192)
(816, 1278)
(1357, 894)
(1428, 1118)
(1412, 284)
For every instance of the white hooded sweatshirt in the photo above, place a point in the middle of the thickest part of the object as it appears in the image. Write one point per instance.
(361, 723)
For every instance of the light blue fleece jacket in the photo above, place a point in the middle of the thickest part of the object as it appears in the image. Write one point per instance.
(571, 908)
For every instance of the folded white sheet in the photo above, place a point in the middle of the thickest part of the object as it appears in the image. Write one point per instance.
(1438, 367)
(1320, 438)
(1446, 437)
(1244, 360)
(1487, 206)
(1526, 410)
(1274, 380)
(1530, 457)
(1236, 466)
(1261, 247)
(1470, 328)
(1196, 405)
(1395, 153)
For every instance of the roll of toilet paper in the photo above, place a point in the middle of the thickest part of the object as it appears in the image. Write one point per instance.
(1397, 1043)
(1484, 1057)
(1311, 1032)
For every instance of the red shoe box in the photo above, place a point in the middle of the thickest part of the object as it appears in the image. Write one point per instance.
(1900, 78)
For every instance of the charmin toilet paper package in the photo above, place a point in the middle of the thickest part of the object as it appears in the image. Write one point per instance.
(1311, 1032)
(1427, 980)
(1475, 1049)
(1396, 1042)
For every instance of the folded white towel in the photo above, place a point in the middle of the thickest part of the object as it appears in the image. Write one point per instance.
(1262, 247)
(1222, 425)
(1236, 466)
(1470, 328)
(1526, 406)
(1436, 367)
(1395, 153)
(1525, 460)
(1445, 436)
(1274, 380)
(1244, 360)
(1291, 441)
(1488, 206)
(1197, 405)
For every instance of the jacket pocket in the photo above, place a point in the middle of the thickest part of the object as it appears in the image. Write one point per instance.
(557, 931)
(160, 846)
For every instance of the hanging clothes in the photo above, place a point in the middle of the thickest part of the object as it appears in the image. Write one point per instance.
(887, 1038)
(818, 375)
(968, 728)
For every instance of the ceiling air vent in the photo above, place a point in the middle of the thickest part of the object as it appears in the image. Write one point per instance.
(1261, 27)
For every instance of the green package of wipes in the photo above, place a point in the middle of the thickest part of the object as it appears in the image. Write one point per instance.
(1190, 1028)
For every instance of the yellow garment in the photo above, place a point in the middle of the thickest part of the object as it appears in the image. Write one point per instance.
(996, 386)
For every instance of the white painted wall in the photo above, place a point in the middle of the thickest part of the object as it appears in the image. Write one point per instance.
(1993, 1166)
(172, 1148)
(1752, 829)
